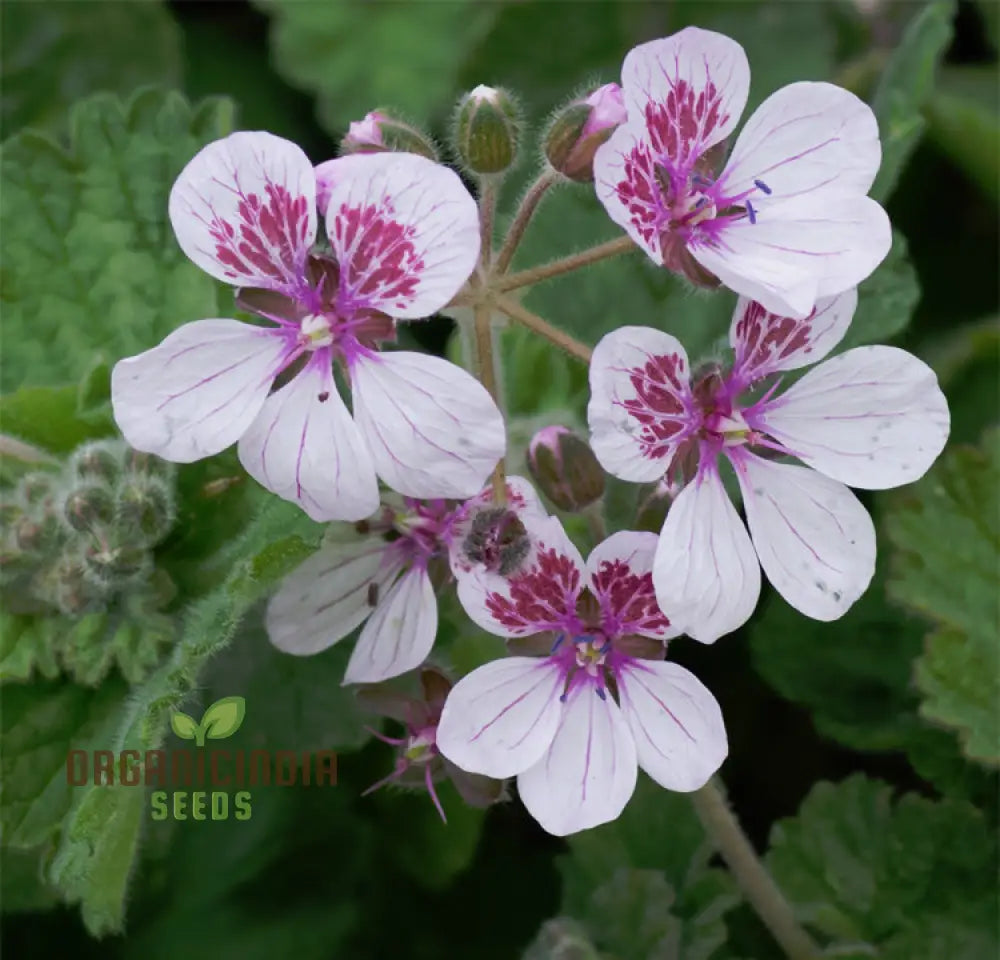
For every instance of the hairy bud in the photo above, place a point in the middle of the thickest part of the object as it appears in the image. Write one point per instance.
(72, 590)
(114, 564)
(580, 128)
(565, 468)
(97, 461)
(498, 540)
(145, 509)
(36, 488)
(380, 132)
(486, 130)
(88, 506)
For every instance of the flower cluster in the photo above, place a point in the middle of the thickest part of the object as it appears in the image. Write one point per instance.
(586, 695)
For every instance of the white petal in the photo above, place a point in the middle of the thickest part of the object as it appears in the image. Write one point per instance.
(244, 210)
(304, 447)
(815, 540)
(621, 578)
(626, 184)
(689, 89)
(399, 634)
(432, 429)
(327, 596)
(640, 402)
(680, 738)
(805, 138)
(873, 417)
(404, 229)
(198, 391)
(522, 501)
(765, 343)
(501, 718)
(589, 773)
(540, 596)
(800, 250)
(706, 574)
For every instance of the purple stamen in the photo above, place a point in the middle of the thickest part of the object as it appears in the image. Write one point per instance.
(394, 741)
(751, 213)
(557, 644)
(760, 185)
(600, 692)
(562, 698)
(701, 203)
(429, 782)
(699, 181)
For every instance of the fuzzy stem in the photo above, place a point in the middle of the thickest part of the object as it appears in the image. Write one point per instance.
(487, 211)
(526, 210)
(757, 884)
(525, 278)
(486, 370)
(532, 321)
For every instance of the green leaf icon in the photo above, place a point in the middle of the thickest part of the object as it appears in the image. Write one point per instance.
(223, 718)
(183, 725)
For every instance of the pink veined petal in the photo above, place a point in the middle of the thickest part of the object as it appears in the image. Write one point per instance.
(304, 447)
(766, 344)
(541, 595)
(621, 578)
(501, 718)
(327, 596)
(689, 90)
(680, 737)
(626, 184)
(431, 428)
(244, 210)
(399, 634)
(640, 402)
(805, 138)
(198, 391)
(800, 251)
(705, 572)
(589, 772)
(815, 540)
(873, 417)
(404, 229)
(522, 501)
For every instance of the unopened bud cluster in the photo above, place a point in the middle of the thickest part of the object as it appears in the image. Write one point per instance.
(73, 540)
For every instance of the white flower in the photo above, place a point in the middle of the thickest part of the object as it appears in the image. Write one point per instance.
(873, 417)
(404, 236)
(787, 221)
(575, 725)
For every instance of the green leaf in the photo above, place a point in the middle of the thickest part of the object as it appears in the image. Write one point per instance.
(55, 53)
(99, 838)
(184, 726)
(905, 86)
(967, 131)
(946, 531)
(223, 718)
(41, 722)
(90, 261)
(907, 879)
(328, 49)
(22, 881)
(49, 417)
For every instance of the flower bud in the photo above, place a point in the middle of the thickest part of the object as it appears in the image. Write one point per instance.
(112, 564)
(486, 130)
(145, 509)
(72, 590)
(580, 128)
(87, 506)
(565, 468)
(97, 461)
(36, 488)
(379, 132)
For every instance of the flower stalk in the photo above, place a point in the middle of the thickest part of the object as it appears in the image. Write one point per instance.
(526, 210)
(757, 884)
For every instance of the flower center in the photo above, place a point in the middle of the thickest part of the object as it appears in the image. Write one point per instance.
(421, 748)
(722, 420)
(315, 331)
(591, 652)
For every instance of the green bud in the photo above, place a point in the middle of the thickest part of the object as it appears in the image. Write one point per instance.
(147, 463)
(379, 132)
(101, 461)
(565, 468)
(112, 564)
(36, 488)
(71, 589)
(145, 509)
(580, 128)
(486, 130)
(87, 506)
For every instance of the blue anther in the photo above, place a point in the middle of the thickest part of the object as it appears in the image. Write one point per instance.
(562, 698)
(606, 647)
(760, 185)
(751, 213)
(699, 181)
(701, 202)
(557, 644)
(600, 692)
(583, 638)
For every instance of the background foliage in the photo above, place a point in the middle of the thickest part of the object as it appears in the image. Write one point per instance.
(863, 753)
